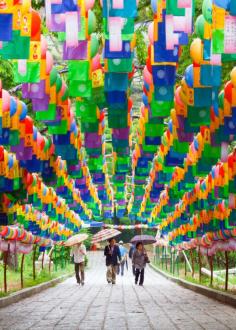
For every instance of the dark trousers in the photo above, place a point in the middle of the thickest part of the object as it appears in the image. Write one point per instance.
(139, 273)
(79, 272)
(133, 270)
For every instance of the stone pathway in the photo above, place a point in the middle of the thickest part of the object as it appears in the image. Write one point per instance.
(159, 304)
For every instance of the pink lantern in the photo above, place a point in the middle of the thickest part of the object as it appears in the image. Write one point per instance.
(203, 251)
(6, 98)
(44, 46)
(224, 151)
(89, 4)
(63, 87)
(96, 62)
(147, 76)
(49, 62)
(151, 33)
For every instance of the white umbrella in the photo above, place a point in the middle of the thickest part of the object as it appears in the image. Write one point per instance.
(76, 239)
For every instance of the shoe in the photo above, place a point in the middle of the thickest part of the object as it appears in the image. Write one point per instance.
(82, 283)
(136, 283)
(108, 281)
(140, 284)
(113, 282)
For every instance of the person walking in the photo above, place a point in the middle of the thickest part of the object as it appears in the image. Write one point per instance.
(78, 252)
(113, 256)
(131, 252)
(139, 261)
(123, 253)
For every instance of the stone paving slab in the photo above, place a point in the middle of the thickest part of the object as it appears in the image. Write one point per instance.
(159, 304)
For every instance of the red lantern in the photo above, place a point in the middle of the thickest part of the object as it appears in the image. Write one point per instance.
(1, 153)
(228, 91)
(28, 125)
(35, 26)
(4, 232)
(29, 179)
(130, 104)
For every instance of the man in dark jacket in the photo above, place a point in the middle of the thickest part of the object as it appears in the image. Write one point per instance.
(113, 256)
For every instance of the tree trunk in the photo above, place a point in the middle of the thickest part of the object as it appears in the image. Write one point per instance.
(49, 265)
(227, 270)
(192, 259)
(211, 267)
(5, 267)
(34, 257)
(43, 259)
(185, 267)
(12, 261)
(200, 265)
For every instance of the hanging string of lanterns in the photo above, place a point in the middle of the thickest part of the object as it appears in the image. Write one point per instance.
(169, 30)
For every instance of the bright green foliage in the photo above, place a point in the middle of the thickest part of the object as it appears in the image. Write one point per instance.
(6, 74)
(141, 48)
(37, 4)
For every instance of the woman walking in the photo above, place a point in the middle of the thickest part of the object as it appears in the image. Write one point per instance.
(139, 261)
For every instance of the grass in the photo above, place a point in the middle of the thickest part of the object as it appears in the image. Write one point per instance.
(42, 276)
(205, 280)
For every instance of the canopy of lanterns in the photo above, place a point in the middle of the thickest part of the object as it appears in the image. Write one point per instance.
(52, 182)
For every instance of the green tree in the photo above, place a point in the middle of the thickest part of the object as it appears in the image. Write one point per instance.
(141, 47)
(37, 4)
(6, 74)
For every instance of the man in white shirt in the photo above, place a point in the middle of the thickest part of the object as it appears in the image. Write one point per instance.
(78, 252)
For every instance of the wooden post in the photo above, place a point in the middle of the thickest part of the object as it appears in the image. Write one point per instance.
(211, 268)
(50, 258)
(226, 270)
(22, 271)
(34, 257)
(49, 265)
(178, 261)
(192, 259)
(166, 257)
(5, 267)
(185, 267)
(171, 261)
(218, 261)
(162, 260)
(200, 264)
(55, 262)
(43, 259)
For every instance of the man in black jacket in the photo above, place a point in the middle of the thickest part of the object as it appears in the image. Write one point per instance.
(112, 253)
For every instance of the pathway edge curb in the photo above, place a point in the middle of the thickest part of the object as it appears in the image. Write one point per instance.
(223, 297)
(28, 292)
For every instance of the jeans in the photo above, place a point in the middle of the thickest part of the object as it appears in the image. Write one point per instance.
(139, 273)
(111, 273)
(120, 268)
(79, 272)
